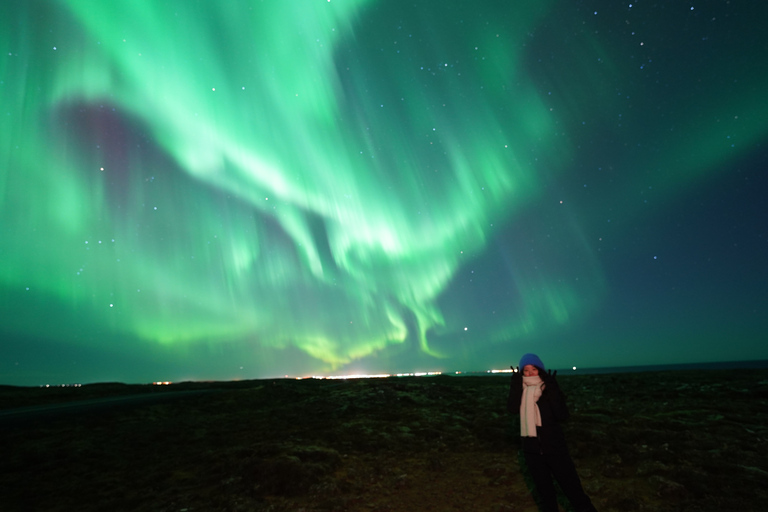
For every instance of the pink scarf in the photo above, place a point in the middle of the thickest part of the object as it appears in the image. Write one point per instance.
(530, 417)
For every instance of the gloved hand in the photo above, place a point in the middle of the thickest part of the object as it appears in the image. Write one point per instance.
(515, 391)
(549, 377)
(517, 376)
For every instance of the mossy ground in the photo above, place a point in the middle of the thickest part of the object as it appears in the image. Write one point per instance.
(661, 441)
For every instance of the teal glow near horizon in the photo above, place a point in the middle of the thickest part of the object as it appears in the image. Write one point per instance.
(349, 184)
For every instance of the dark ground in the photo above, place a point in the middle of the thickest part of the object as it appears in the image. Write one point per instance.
(657, 441)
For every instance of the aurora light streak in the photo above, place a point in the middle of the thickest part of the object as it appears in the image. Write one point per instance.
(252, 189)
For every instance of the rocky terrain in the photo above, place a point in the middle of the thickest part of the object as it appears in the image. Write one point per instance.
(656, 441)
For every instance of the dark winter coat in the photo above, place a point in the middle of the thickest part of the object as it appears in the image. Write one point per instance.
(553, 409)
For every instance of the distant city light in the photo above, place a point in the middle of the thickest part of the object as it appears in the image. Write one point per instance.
(407, 374)
(370, 376)
(344, 377)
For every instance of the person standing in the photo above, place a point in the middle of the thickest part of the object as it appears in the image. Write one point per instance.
(535, 395)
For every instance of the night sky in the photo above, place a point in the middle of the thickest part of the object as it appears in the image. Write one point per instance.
(195, 190)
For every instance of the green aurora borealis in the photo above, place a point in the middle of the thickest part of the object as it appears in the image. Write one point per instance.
(218, 190)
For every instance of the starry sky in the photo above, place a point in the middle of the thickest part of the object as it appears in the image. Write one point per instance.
(252, 189)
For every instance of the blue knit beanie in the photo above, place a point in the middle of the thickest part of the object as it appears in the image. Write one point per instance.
(531, 359)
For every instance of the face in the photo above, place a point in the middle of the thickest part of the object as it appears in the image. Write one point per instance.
(530, 371)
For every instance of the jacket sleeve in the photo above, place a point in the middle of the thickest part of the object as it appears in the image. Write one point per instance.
(556, 400)
(515, 393)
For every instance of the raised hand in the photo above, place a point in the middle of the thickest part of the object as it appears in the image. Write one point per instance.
(517, 375)
(515, 391)
(549, 376)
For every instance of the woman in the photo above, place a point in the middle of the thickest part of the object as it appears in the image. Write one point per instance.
(535, 395)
